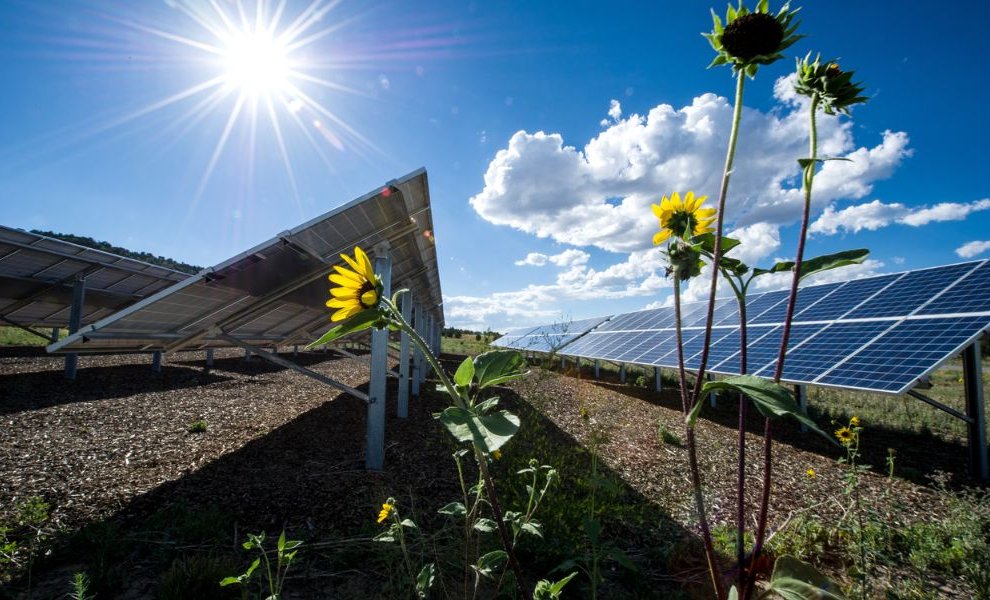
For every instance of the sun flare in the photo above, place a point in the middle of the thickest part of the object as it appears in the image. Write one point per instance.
(256, 63)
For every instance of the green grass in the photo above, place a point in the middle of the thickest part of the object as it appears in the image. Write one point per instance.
(15, 336)
(465, 345)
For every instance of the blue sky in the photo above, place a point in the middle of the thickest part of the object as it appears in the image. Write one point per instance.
(547, 129)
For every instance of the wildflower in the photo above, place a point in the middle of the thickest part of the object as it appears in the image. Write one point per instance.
(854, 422)
(845, 435)
(751, 38)
(386, 510)
(682, 218)
(811, 473)
(497, 455)
(360, 289)
(832, 86)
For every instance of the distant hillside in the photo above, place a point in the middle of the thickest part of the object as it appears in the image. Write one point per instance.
(108, 247)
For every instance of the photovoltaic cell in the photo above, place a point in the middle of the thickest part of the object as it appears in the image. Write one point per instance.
(820, 353)
(806, 298)
(851, 294)
(645, 342)
(972, 294)
(757, 305)
(909, 292)
(894, 361)
(763, 351)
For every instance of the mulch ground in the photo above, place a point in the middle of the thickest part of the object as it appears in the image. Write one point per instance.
(281, 450)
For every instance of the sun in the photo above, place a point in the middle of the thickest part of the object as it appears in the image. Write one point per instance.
(256, 63)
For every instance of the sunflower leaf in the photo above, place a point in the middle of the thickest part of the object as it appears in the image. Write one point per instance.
(783, 265)
(465, 373)
(771, 399)
(498, 366)
(487, 432)
(793, 579)
(833, 261)
(363, 320)
(707, 242)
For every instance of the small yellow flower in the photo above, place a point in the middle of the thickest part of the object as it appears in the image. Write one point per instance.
(854, 422)
(359, 287)
(497, 455)
(845, 435)
(811, 473)
(682, 219)
(385, 511)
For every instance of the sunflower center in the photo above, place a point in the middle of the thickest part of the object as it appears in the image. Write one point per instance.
(753, 35)
(368, 296)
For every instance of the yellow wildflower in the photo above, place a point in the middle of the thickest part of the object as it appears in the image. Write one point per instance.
(811, 473)
(854, 422)
(358, 289)
(683, 219)
(385, 511)
(845, 435)
(497, 455)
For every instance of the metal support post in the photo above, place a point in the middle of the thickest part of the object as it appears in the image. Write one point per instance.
(156, 362)
(209, 358)
(274, 349)
(417, 366)
(973, 377)
(56, 334)
(375, 456)
(563, 363)
(622, 373)
(657, 380)
(75, 320)
(712, 397)
(597, 368)
(801, 396)
(403, 403)
(295, 351)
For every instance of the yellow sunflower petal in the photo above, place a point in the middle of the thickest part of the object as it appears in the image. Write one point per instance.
(661, 236)
(354, 264)
(344, 314)
(349, 274)
(346, 282)
(704, 213)
(368, 270)
(344, 293)
(675, 202)
(341, 303)
(657, 211)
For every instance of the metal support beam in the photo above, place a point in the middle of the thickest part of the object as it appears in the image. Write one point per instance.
(597, 368)
(622, 373)
(375, 454)
(278, 360)
(56, 334)
(402, 409)
(75, 320)
(975, 409)
(156, 362)
(27, 329)
(955, 413)
(209, 358)
(801, 395)
(417, 353)
(657, 380)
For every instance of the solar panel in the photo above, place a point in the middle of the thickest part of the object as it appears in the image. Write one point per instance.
(37, 274)
(879, 333)
(550, 338)
(275, 292)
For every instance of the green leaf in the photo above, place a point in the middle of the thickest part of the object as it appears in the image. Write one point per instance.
(695, 411)
(499, 366)
(424, 581)
(487, 432)
(733, 593)
(620, 557)
(229, 581)
(707, 242)
(491, 561)
(546, 590)
(465, 373)
(485, 525)
(533, 528)
(359, 322)
(281, 542)
(408, 523)
(487, 405)
(793, 579)
(778, 267)
(454, 509)
(592, 528)
(733, 265)
(833, 261)
(772, 399)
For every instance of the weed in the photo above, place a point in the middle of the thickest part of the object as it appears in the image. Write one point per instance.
(666, 436)
(194, 576)
(80, 587)
(272, 578)
(197, 426)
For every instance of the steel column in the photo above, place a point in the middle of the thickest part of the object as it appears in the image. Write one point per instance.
(403, 400)
(375, 455)
(75, 320)
(56, 333)
(657, 381)
(417, 366)
(597, 368)
(156, 362)
(973, 378)
(209, 358)
(622, 373)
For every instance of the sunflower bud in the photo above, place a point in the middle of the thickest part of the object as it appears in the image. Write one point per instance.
(833, 87)
(752, 38)
(685, 260)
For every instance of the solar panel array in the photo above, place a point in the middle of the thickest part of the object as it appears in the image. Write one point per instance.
(548, 338)
(275, 293)
(37, 273)
(881, 333)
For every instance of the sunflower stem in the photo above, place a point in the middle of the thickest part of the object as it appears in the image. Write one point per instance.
(699, 499)
(808, 182)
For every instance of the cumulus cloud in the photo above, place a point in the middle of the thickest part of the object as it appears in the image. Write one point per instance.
(568, 258)
(876, 214)
(599, 195)
(971, 249)
(534, 259)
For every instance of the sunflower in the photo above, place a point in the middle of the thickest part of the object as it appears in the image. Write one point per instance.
(854, 422)
(682, 219)
(811, 473)
(751, 38)
(360, 289)
(386, 510)
(845, 435)
(834, 87)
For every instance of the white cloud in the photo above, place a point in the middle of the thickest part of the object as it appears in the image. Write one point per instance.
(600, 195)
(534, 259)
(971, 249)
(570, 258)
(876, 214)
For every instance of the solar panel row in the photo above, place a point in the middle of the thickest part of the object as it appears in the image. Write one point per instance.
(880, 333)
